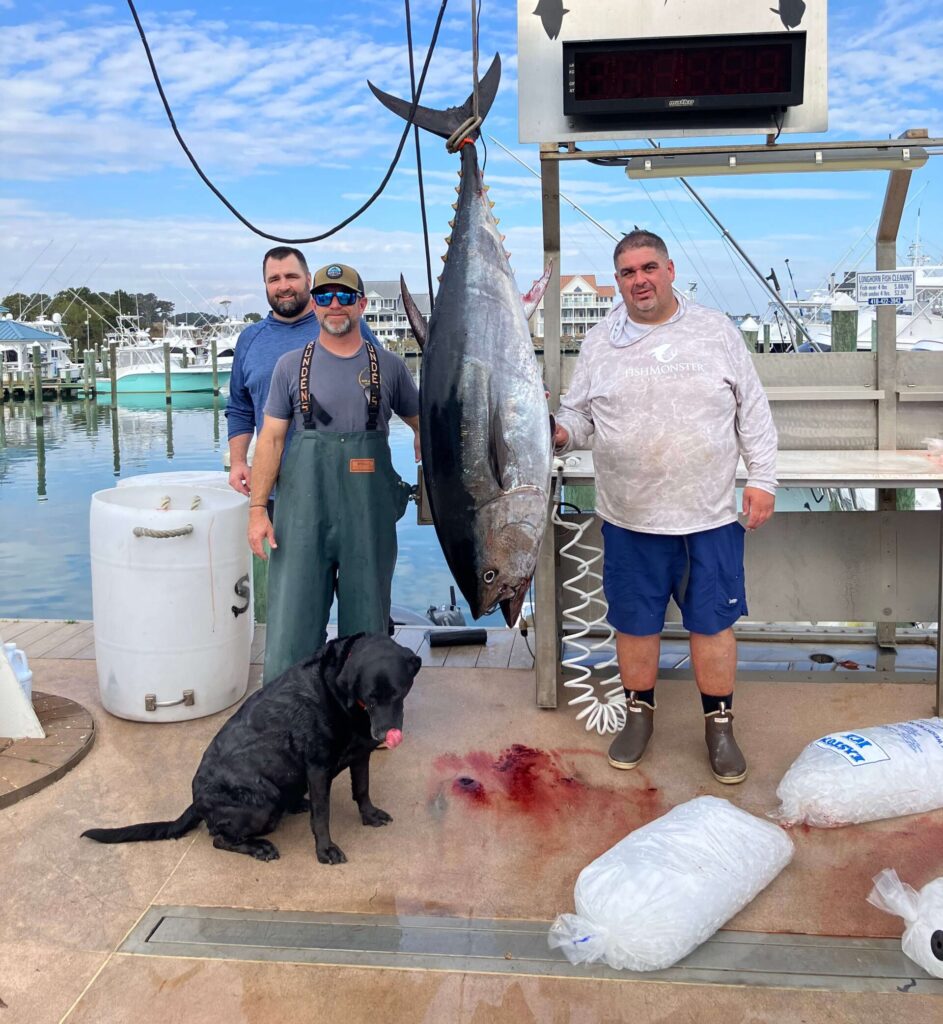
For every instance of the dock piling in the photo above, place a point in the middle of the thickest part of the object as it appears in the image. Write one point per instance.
(38, 383)
(170, 432)
(40, 459)
(115, 440)
(113, 371)
(88, 373)
(167, 397)
(215, 366)
(844, 324)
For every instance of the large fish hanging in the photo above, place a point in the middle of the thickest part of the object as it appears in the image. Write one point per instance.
(483, 423)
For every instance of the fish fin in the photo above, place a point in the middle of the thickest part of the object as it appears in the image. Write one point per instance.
(416, 320)
(531, 299)
(446, 122)
(498, 452)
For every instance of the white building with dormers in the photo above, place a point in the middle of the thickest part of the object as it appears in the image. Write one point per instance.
(385, 314)
(583, 303)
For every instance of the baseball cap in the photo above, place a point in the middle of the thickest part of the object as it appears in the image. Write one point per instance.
(338, 275)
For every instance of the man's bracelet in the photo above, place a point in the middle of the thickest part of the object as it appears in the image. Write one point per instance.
(259, 506)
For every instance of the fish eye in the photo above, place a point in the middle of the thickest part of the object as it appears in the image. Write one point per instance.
(489, 575)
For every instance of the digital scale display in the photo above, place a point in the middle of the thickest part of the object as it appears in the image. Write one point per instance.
(689, 73)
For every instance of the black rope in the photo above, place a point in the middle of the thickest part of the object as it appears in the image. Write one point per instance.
(422, 192)
(219, 195)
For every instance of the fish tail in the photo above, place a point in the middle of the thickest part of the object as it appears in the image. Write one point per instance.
(446, 122)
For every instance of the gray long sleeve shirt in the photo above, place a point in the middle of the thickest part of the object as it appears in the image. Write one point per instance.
(667, 411)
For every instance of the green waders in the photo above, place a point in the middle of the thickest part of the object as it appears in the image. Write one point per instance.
(335, 525)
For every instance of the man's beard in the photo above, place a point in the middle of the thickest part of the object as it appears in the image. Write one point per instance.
(337, 329)
(289, 306)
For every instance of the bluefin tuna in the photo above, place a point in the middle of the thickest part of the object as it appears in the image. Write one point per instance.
(483, 423)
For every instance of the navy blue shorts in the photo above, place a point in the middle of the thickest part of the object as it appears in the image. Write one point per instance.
(703, 572)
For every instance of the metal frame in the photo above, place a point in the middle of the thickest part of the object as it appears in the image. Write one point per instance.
(550, 151)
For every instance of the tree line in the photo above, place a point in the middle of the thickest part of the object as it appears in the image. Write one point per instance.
(88, 316)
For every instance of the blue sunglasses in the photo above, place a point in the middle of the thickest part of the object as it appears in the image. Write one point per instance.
(324, 299)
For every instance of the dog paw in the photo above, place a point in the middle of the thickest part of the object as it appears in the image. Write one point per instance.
(331, 855)
(265, 850)
(375, 817)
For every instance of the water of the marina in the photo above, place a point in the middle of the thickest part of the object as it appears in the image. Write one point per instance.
(46, 489)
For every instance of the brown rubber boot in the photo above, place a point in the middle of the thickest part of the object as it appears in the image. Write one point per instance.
(627, 748)
(728, 764)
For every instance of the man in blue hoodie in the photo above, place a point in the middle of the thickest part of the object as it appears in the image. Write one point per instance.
(290, 325)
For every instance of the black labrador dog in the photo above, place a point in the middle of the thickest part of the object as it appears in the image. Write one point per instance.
(292, 737)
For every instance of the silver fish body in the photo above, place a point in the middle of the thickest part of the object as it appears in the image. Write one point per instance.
(483, 421)
(484, 428)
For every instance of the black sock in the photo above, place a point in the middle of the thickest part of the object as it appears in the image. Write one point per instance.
(645, 696)
(712, 704)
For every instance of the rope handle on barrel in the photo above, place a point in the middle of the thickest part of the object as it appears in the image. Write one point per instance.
(144, 531)
(181, 531)
(164, 505)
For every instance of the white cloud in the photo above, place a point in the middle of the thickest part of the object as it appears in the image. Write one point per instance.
(280, 117)
(884, 70)
(244, 102)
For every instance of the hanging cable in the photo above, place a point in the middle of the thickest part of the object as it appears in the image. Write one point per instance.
(475, 35)
(219, 195)
(473, 122)
(422, 191)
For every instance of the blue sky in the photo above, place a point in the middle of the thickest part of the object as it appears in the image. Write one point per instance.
(95, 191)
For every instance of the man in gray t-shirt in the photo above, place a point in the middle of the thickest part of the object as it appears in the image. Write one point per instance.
(338, 495)
(341, 384)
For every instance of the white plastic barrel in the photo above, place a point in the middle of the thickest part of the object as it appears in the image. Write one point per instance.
(189, 477)
(171, 598)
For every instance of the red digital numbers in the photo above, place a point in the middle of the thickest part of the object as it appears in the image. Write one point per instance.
(678, 71)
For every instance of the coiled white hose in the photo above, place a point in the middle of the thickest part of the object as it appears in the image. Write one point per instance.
(603, 709)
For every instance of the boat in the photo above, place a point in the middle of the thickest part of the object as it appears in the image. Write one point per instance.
(127, 332)
(139, 369)
(917, 326)
(226, 333)
(17, 340)
(186, 344)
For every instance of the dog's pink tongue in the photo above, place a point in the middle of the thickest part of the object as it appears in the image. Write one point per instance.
(393, 738)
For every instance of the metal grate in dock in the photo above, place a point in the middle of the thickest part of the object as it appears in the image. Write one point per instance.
(469, 945)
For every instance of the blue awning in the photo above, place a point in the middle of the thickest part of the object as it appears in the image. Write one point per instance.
(13, 330)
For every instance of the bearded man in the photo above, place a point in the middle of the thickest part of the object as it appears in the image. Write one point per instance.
(290, 325)
(339, 497)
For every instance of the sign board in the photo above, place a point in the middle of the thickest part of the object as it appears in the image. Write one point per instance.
(885, 287)
(637, 69)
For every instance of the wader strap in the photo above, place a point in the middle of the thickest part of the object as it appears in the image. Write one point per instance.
(310, 409)
(373, 401)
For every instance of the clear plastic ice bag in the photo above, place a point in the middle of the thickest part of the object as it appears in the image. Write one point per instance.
(659, 893)
(922, 912)
(883, 771)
